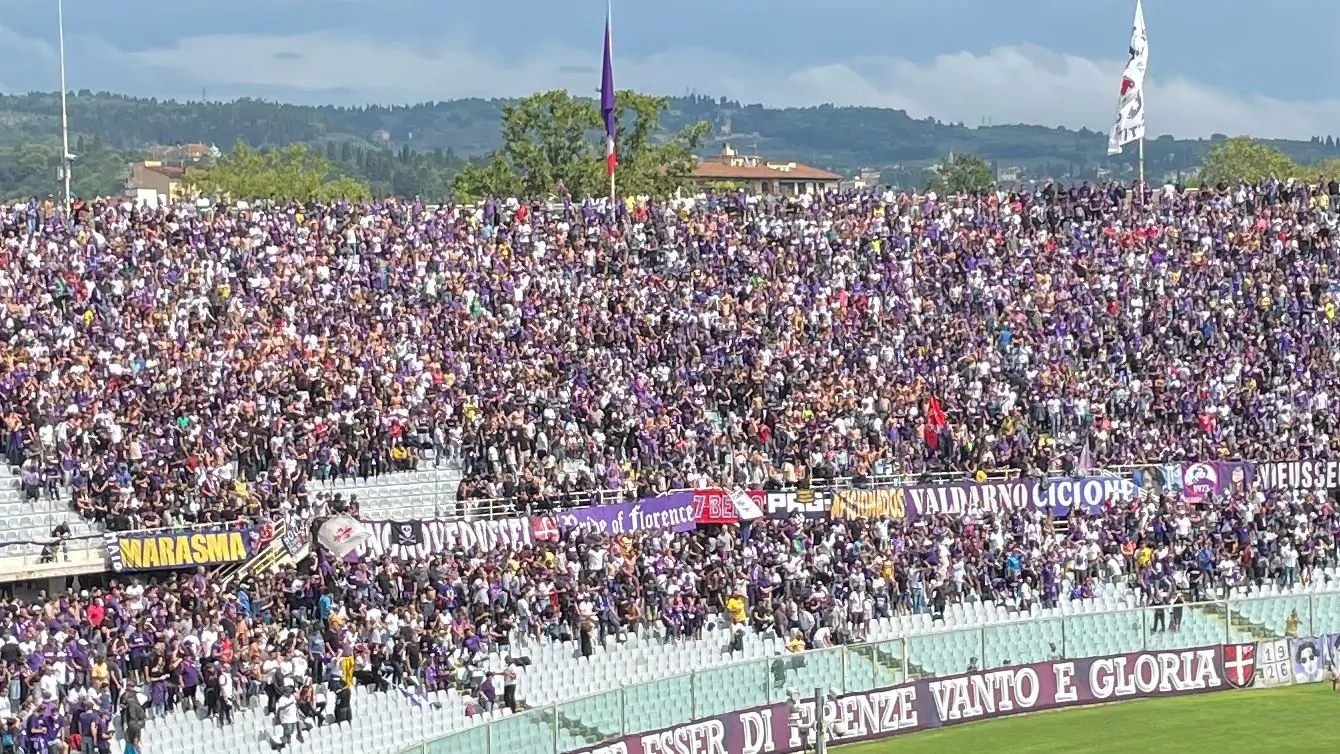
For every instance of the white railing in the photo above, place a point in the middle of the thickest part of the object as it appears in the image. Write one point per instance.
(636, 708)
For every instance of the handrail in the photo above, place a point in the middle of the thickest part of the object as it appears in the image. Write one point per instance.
(206, 526)
(226, 574)
(480, 738)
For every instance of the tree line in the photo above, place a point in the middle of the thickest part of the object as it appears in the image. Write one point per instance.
(551, 144)
(1227, 162)
(98, 170)
(1244, 159)
(842, 139)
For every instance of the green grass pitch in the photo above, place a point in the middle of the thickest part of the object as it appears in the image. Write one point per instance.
(1292, 719)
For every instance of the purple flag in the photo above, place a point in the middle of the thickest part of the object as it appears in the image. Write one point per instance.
(607, 100)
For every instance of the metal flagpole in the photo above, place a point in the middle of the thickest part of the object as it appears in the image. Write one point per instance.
(64, 116)
(1140, 13)
(609, 19)
(1142, 166)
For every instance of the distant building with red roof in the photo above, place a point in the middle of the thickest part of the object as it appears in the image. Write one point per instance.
(761, 176)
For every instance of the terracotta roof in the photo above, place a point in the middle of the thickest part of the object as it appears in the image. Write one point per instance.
(171, 171)
(721, 167)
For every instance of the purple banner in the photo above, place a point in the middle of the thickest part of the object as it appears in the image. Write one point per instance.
(1217, 478)
(936, 702)
(673, 511)
(1195, 480)
(1299, 475)
(1062, 496)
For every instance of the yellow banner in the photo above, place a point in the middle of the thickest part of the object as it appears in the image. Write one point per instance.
(890, 502)
(182, 548)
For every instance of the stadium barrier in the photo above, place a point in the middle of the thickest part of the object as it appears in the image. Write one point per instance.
(935, 492)
(932, 679)
(937, 702)
(440, 496)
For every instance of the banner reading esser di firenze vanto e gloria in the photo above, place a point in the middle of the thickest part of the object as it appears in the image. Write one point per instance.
(936, 702)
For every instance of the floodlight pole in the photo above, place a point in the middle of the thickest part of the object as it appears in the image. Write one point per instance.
(64, 113)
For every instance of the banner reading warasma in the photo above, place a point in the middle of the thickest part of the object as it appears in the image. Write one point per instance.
(183, 547)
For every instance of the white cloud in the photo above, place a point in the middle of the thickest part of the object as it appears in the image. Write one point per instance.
(18, 55)
(1020, 84)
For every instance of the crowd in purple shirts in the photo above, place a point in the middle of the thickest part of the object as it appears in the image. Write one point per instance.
(100, 664)
(465, 619)
(198, 364)
(171, 366)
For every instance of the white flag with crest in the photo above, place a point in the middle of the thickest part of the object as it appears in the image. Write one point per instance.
(342, 534)
(745, 507)
(1130, 123)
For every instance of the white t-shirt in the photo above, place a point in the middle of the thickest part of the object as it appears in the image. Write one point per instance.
(207, 639)
(287, 708)
(49, 686)
(135, 592)
(1183, 526)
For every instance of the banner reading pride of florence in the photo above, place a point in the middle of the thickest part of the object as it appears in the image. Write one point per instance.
(673, 511)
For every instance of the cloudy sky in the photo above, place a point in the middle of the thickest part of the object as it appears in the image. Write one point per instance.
(1216, 66)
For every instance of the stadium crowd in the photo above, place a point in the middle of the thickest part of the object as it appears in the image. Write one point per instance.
(97, 664)
(195, 364)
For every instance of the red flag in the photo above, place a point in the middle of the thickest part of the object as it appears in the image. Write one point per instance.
(934, 415)
(935, 421)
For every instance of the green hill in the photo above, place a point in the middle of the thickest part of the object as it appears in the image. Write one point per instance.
(415, 149)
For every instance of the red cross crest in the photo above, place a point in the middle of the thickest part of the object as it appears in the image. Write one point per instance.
(1240, 664)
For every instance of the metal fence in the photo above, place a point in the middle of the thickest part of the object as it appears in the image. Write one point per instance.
(676, 700)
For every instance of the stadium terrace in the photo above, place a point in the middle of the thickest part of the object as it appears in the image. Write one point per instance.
(182, 365)
(165, 368)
